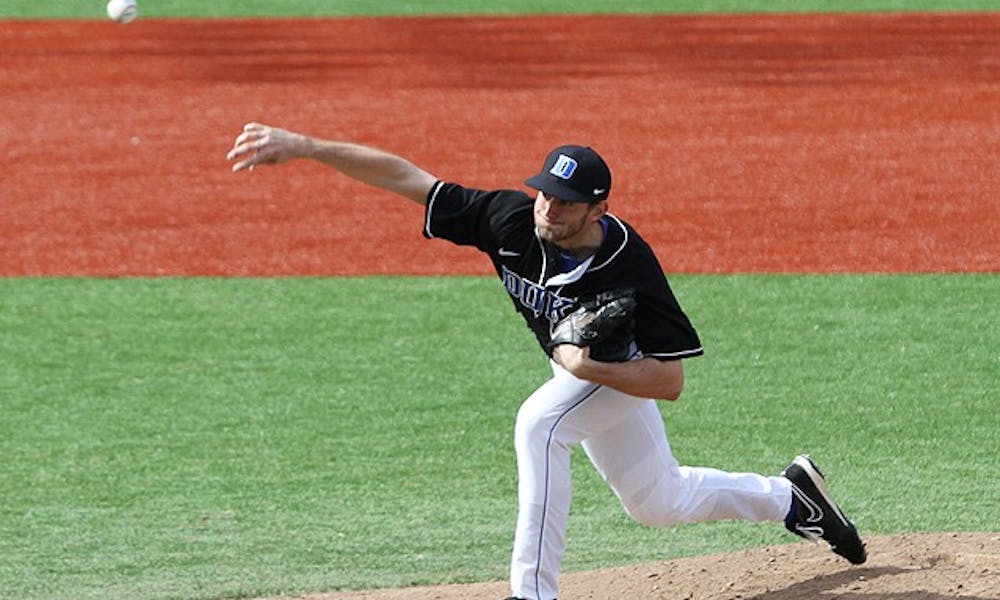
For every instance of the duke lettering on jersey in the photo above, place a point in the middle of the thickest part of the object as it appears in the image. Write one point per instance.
(535, 297)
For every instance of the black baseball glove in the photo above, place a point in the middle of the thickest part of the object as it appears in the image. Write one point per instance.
(605, 324)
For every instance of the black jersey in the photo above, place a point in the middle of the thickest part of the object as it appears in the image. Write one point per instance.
(543, 289)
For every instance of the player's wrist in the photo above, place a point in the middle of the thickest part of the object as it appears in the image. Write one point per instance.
(308, 147)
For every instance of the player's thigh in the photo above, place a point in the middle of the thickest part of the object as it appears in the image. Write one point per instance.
(571, 410)
(635, 453)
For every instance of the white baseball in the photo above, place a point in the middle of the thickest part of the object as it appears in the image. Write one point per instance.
(123, 11)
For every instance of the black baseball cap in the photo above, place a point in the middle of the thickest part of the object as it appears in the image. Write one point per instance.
(574, 174)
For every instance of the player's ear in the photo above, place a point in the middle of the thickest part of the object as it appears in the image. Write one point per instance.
(598, 210)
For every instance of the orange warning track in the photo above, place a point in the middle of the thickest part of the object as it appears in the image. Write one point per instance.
(837, 143)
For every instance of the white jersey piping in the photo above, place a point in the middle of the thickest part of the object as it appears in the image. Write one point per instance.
(680, 354)
(430, 208)
(620, 248)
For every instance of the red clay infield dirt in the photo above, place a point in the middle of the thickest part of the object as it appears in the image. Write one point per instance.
(769, 143)
(838, 143)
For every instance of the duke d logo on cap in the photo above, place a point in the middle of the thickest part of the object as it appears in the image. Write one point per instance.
(574, 174)
(564, 167)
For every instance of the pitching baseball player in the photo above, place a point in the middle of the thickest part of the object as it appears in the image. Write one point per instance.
(558, 253)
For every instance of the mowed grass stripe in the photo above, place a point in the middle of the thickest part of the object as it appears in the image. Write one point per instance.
(219, 438)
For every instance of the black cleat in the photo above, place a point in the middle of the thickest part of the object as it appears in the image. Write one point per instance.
(816, 516)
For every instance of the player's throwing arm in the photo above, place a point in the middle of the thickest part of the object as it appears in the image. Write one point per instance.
(261, 144)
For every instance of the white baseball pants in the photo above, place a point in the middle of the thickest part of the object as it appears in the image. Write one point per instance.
(625, 439)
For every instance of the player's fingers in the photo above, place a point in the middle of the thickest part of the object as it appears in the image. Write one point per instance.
(247, 164)
(238, 150)
(252, 134)
(251, 131)
(243, 149)
(241, 138)
(246, 145)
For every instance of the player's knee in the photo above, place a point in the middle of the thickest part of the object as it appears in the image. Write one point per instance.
(529, 428)
(653, 515)
(658, 507)
(537, 426)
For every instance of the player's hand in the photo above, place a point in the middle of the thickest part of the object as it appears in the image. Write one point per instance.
(575, 359)
(262, 144)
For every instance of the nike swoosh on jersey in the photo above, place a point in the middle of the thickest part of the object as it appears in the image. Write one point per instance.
(505, 252)
(599, 191)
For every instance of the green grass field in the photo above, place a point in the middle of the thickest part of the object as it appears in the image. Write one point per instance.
(225, 8)
(207, 438)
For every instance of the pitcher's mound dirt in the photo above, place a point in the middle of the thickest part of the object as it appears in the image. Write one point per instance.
(899, 567)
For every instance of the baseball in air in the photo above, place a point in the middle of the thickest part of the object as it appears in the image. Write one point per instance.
(123, 11)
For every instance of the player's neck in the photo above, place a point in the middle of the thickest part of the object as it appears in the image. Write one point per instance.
(585, 243)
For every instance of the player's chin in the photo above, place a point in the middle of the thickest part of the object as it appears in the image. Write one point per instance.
(550, 234)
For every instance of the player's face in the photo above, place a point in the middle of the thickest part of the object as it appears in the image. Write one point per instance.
(561, 222)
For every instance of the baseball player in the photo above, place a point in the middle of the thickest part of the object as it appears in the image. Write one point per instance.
(554, 251)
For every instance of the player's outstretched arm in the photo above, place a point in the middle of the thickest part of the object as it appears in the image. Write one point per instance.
(261, 144)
